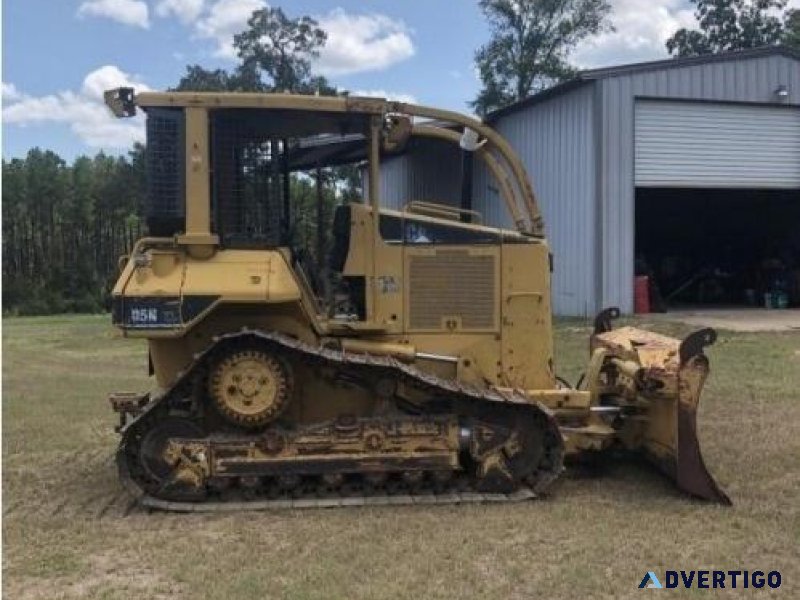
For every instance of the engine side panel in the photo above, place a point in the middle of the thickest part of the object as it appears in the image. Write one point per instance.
(165, 292)
(527, 335)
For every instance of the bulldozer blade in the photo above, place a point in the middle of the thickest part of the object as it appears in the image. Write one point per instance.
(668, 376)
(691, 473)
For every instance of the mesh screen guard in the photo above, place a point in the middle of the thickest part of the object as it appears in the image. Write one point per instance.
(166, 182)
(253, 156)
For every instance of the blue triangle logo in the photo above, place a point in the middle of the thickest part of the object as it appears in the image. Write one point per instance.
(650, 581)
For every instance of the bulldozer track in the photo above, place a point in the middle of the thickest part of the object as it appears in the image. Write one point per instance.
(521, 495)
(313, 493)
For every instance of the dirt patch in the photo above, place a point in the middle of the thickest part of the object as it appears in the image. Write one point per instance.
(744, 320)
(105, 575)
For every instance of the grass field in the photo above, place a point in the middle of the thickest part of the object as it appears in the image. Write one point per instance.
(70, 532)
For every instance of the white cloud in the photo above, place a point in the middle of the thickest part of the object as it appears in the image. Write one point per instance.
(186, 11)
(396, 96)
(642, 31)
(129, 12)
(83, 110)
(642, 28)
(106, 78)
(224, 19)
(359, 43)
(355, 43)
(10, 92)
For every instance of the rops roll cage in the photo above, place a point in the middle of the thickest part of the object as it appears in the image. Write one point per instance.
(391, 126)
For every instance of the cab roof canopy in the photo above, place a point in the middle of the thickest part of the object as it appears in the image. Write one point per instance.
(123, 102)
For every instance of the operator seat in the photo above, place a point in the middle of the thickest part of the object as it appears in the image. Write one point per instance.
(341, 238)
(356, 285)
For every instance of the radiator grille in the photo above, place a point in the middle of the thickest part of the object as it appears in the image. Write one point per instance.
(452, 284)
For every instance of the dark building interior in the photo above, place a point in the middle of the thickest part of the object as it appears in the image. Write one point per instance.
(721, 247)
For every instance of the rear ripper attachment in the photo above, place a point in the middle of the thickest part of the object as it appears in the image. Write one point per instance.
(656, 383)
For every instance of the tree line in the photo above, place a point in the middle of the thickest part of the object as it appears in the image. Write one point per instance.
(65, 225)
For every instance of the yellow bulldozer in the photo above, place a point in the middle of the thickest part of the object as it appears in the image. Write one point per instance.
(426, 376)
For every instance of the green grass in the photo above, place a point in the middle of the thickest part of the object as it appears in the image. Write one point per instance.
(69, 530)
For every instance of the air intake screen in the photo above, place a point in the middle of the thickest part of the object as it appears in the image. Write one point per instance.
(165, 171)
(452, 285)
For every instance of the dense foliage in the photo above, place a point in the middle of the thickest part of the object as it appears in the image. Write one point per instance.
(65, 226)
(530, 44)
(275, 54)
(725, 25)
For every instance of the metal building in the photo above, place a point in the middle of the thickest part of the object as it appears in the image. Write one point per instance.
(631, 161)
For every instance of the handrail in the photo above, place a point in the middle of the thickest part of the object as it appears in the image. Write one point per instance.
(434, 208)
(500, 175)
(141, 243)
(500, 144)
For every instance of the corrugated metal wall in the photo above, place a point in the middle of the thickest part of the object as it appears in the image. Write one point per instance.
(555, 142)
(393, 189)
(744, 80)
(429, 171)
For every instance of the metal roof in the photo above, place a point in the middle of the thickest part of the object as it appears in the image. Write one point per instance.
(590, 75)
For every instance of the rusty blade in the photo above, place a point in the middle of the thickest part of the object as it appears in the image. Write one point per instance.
(691, 474)
(670, 379)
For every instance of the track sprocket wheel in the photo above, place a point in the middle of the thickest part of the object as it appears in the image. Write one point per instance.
(250, 387)
(155, 441)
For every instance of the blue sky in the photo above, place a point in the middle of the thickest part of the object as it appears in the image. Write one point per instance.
(58, 55)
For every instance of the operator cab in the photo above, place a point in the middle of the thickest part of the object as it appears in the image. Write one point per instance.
(292, 180)
(276, 178)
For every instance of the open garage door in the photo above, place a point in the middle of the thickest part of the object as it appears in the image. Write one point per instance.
(713, 145)
(719, 247)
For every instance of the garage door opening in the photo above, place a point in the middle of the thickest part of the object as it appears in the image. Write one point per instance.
(719, 247)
